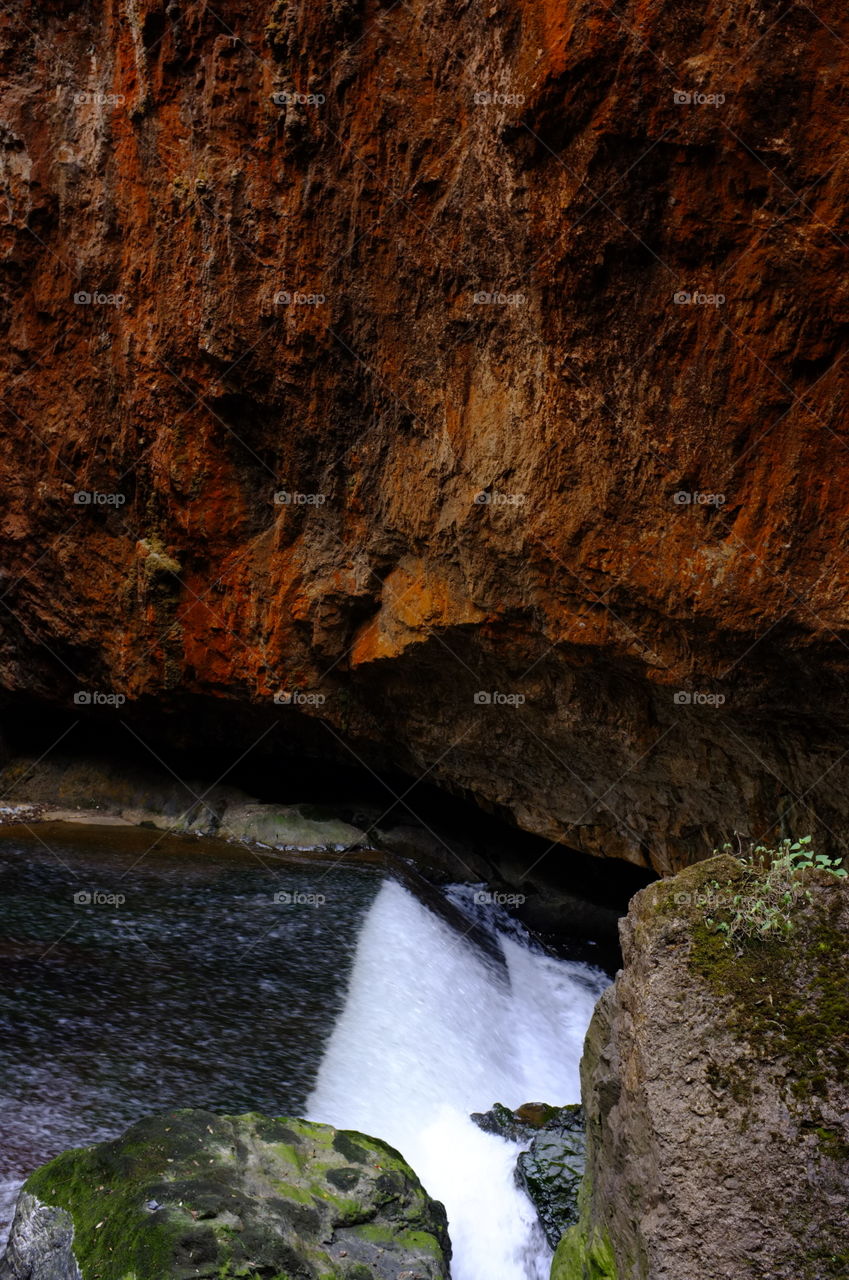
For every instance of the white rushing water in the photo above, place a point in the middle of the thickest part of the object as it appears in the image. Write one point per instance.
(434, 1029)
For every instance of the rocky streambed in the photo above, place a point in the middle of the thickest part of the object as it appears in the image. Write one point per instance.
(200, 1194)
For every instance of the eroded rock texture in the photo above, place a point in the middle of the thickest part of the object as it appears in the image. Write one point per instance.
(286, 216)
(41, 1244)
(714, 1080)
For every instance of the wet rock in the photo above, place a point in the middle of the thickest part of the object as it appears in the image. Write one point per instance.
(193, 1194)
(551, 1169)
(526, 1121)
(41, 1244)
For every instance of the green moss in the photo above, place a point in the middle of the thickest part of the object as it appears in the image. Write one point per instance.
(419, 1242)
(346, 1212)
(413, 1240)
(833, 1144)
(344, 1142)
(823, 1263)
(582, 1257)
(790, 1002)
(290, 1192)
(787, 1000)
(235, 1197)
(286, 1151)
(108, 1223)
(375, 1234)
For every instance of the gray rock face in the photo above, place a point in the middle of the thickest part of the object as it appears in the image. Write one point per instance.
(194, 1196)
(716, 1089)
(41, 1243)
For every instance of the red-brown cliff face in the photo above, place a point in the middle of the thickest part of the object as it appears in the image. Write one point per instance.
(399, 256)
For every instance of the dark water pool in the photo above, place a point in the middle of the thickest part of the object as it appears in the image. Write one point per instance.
(139, 973)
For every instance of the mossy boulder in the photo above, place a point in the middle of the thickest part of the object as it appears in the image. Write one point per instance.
(190, 1195)
(526, 1122)
(715, 1081)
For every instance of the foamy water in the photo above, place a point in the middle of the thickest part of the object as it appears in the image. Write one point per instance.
(433, 1029)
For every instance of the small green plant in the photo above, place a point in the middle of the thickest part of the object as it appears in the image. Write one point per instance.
(771, 889)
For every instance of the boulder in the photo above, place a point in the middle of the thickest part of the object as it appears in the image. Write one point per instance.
(288, 827)
(551, 1169)
(190, 1195)
(715, 1080)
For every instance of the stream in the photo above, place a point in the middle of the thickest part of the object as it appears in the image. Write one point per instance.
(136, 979)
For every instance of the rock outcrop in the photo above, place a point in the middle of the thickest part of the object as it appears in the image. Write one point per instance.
(192, 1194)
(551, 1167)
(467, 378)
(716, 1085)
(83, 789)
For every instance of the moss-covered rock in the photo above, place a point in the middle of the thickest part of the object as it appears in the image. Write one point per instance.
(580, 1258)
(715, 1081)
(527, 1121)
(191, 1194)
(288, 827)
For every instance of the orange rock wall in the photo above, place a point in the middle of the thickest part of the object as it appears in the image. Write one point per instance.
(286, 217)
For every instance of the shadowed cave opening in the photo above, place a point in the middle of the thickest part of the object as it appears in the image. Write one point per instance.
(572, 900)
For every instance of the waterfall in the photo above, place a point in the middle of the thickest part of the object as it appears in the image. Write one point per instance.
(434, 1028)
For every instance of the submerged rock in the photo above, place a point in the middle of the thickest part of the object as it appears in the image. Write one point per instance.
(715, 1079)
(192, 1194)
